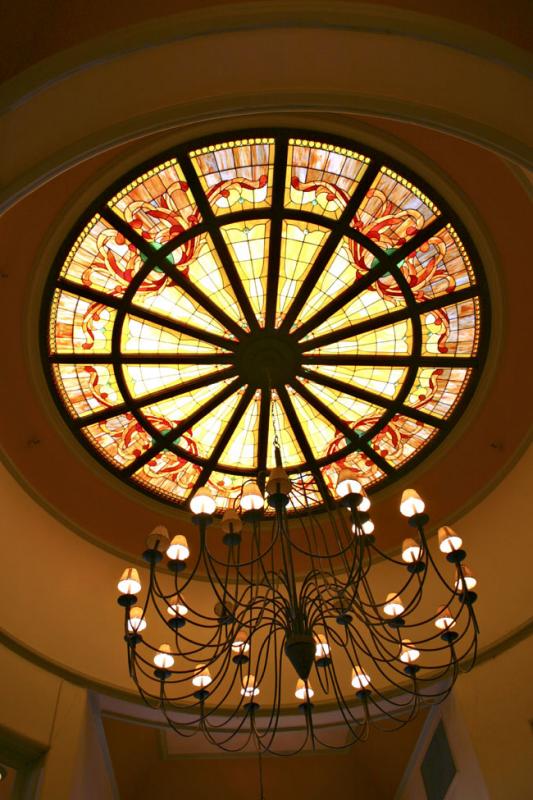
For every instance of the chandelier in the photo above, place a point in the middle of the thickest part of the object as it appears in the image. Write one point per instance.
(273, 629)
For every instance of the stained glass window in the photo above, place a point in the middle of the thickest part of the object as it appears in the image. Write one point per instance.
(258, 290)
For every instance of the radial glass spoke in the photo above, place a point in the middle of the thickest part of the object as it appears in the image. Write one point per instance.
(142, 336)
(242, 446)
(381, 381)
(142, 379)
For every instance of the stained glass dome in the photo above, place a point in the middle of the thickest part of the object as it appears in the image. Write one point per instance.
(235, 291)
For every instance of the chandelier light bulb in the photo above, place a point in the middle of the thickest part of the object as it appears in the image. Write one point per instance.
(411, 551)
(203, 502)
(158, 538)
(249, 689)
(177, 607)
(129, 582)
(202, 677)
(360, 679)
(365, 503)
(411, 503)
(240, 644)
(162, 658)
(322, 646)
(449, 540)
(252, 499)
(469, 581)
(136, 622)
(394, 606)
(408, 654)
(278, 482)
(348, 483)
(444, 621)
(302, 692)
(178, 550)
(231, 521)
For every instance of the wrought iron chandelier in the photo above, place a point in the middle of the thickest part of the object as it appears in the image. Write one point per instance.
(277, 628)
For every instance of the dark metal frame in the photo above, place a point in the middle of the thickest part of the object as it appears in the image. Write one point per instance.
(275, 213)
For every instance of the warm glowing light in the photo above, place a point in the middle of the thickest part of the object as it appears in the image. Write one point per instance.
(231, 522)
(178, 549)
(177, 607)
(240, 644)
(249, 689)
(449, 540)
(278, 482)
(129, 582)
(408, 654)
(469, 580)
(394, 606)
(360, 680)
(411, 503)
(136, 623)
(348, 483)
(203, 502)
(445, 620)
(322, 646)
(252, 499)
(303, 691)
(411, 551)
(202, 677)
(366, 528)
(163, 659)
(365, 504)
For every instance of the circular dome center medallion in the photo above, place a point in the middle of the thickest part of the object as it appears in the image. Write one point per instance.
(286, 286)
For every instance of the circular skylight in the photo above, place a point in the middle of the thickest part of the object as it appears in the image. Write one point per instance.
(266, 287)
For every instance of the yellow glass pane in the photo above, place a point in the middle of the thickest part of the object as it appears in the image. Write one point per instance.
(385, 381)
(341, 272)
(394, 339)
(79, 326)
(236, 175)
(242, 446)
(370, 303)
(321, 177)
(393, 210)
(139, 336)
(437, 391)
(279, 426)
(172, 302)
(202, 437)
(300, 243)
(248, 243)
(168, 476)
(401, 439)
(359, 414)
(226, 489)
(367, 472)
(453, 330)
(102, 259)
(177, 409)
(144, 379)
(318, 431)
(86, 388)
(119, 439)
(206, 272)
(158, 204)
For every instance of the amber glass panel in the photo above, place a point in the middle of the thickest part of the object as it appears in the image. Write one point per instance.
(248, 243)
(368, 472)
(86, 388)
(439, 266)
(396, 339)
(401, 439)
(437, 391)
(168, 475)
(393, 210)
(119, 439)
(101, 258)
(318, 431)
(304, 491)
(452, 330)
(144, 379)
(203, 436)
(321, 177)
(360, 414)
(225, 488)
(236, 176)
(140, 336)
(157, 204)
(79, 326)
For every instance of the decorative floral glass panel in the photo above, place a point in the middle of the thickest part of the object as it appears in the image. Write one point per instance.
(254, 290)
